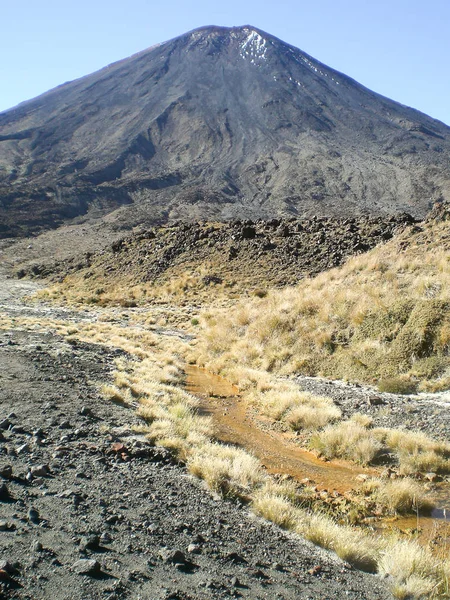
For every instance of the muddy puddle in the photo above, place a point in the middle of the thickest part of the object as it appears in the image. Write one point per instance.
(278, 453)
(233, 425)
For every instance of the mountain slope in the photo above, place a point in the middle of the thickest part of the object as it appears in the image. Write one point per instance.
(217, 123)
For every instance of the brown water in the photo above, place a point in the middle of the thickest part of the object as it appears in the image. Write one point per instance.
(277, 451)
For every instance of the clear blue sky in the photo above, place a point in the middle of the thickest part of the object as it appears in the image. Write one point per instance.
(398, 48)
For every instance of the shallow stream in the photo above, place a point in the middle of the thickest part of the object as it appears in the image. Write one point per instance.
(278, 452)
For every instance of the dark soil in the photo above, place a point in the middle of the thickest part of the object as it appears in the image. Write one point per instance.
(90, 510)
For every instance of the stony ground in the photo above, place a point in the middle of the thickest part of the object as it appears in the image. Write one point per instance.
(88, 509)
(428, 413)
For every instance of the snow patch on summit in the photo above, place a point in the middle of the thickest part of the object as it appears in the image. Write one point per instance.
(299, 57)
(253, 47)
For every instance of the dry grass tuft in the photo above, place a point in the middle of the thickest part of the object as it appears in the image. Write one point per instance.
(116, 395)
(403, 496)
(354, 546)
(414, 452)
(276, 509)
(283, 401)
(229, 471)
(347, 440)
(409, 564)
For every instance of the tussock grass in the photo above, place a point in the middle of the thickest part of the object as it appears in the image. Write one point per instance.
(384, 315)
(352, 545)
(413, 451)
(275, 508)
(117, 395)
(413, 568)
(311, 417)
(283, 401)
(348, 440)
(400, 496)
(225, 469)
(397, 385)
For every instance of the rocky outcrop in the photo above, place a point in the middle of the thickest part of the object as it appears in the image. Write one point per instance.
(255, 253)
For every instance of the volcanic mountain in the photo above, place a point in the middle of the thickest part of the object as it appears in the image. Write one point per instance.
(218, 123)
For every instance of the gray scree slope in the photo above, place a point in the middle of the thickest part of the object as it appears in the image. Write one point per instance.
(217, 123)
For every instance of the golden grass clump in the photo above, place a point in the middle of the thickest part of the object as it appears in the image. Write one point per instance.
(308, 416)
(227, 470)
(276, 509)
(117, 394)
(347, 440)
(413, 451)
(402, 496)
(352, 545)
(283, 401)
(413, 568)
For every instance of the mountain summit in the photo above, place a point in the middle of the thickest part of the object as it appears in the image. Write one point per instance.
(217, 123)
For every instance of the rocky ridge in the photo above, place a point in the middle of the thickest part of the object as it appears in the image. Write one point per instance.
(262, 253)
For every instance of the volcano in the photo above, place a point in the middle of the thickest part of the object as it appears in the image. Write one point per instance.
(219, 123)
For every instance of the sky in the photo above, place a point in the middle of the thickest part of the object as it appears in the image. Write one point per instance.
(398, 48)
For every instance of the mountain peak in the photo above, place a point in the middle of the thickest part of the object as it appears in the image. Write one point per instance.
(221, 122)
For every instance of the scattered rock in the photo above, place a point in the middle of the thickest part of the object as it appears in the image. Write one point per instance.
(6, 471)
(86, 412)
(33, 515)
(12, 568)
(90, 542)
(105, 538)
(4, 492)
(375, 400)
(17, 429)
(86, 566)
(40, 471)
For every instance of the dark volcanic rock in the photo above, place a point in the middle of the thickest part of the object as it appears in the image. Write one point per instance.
(260, 255)
(217, 123)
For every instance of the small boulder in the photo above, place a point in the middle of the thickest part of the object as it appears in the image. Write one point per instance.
(375, 401)
(89, 542)
(40, 471)
(33, 515)
(6, 471)
(86, 566)
(4, 492)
